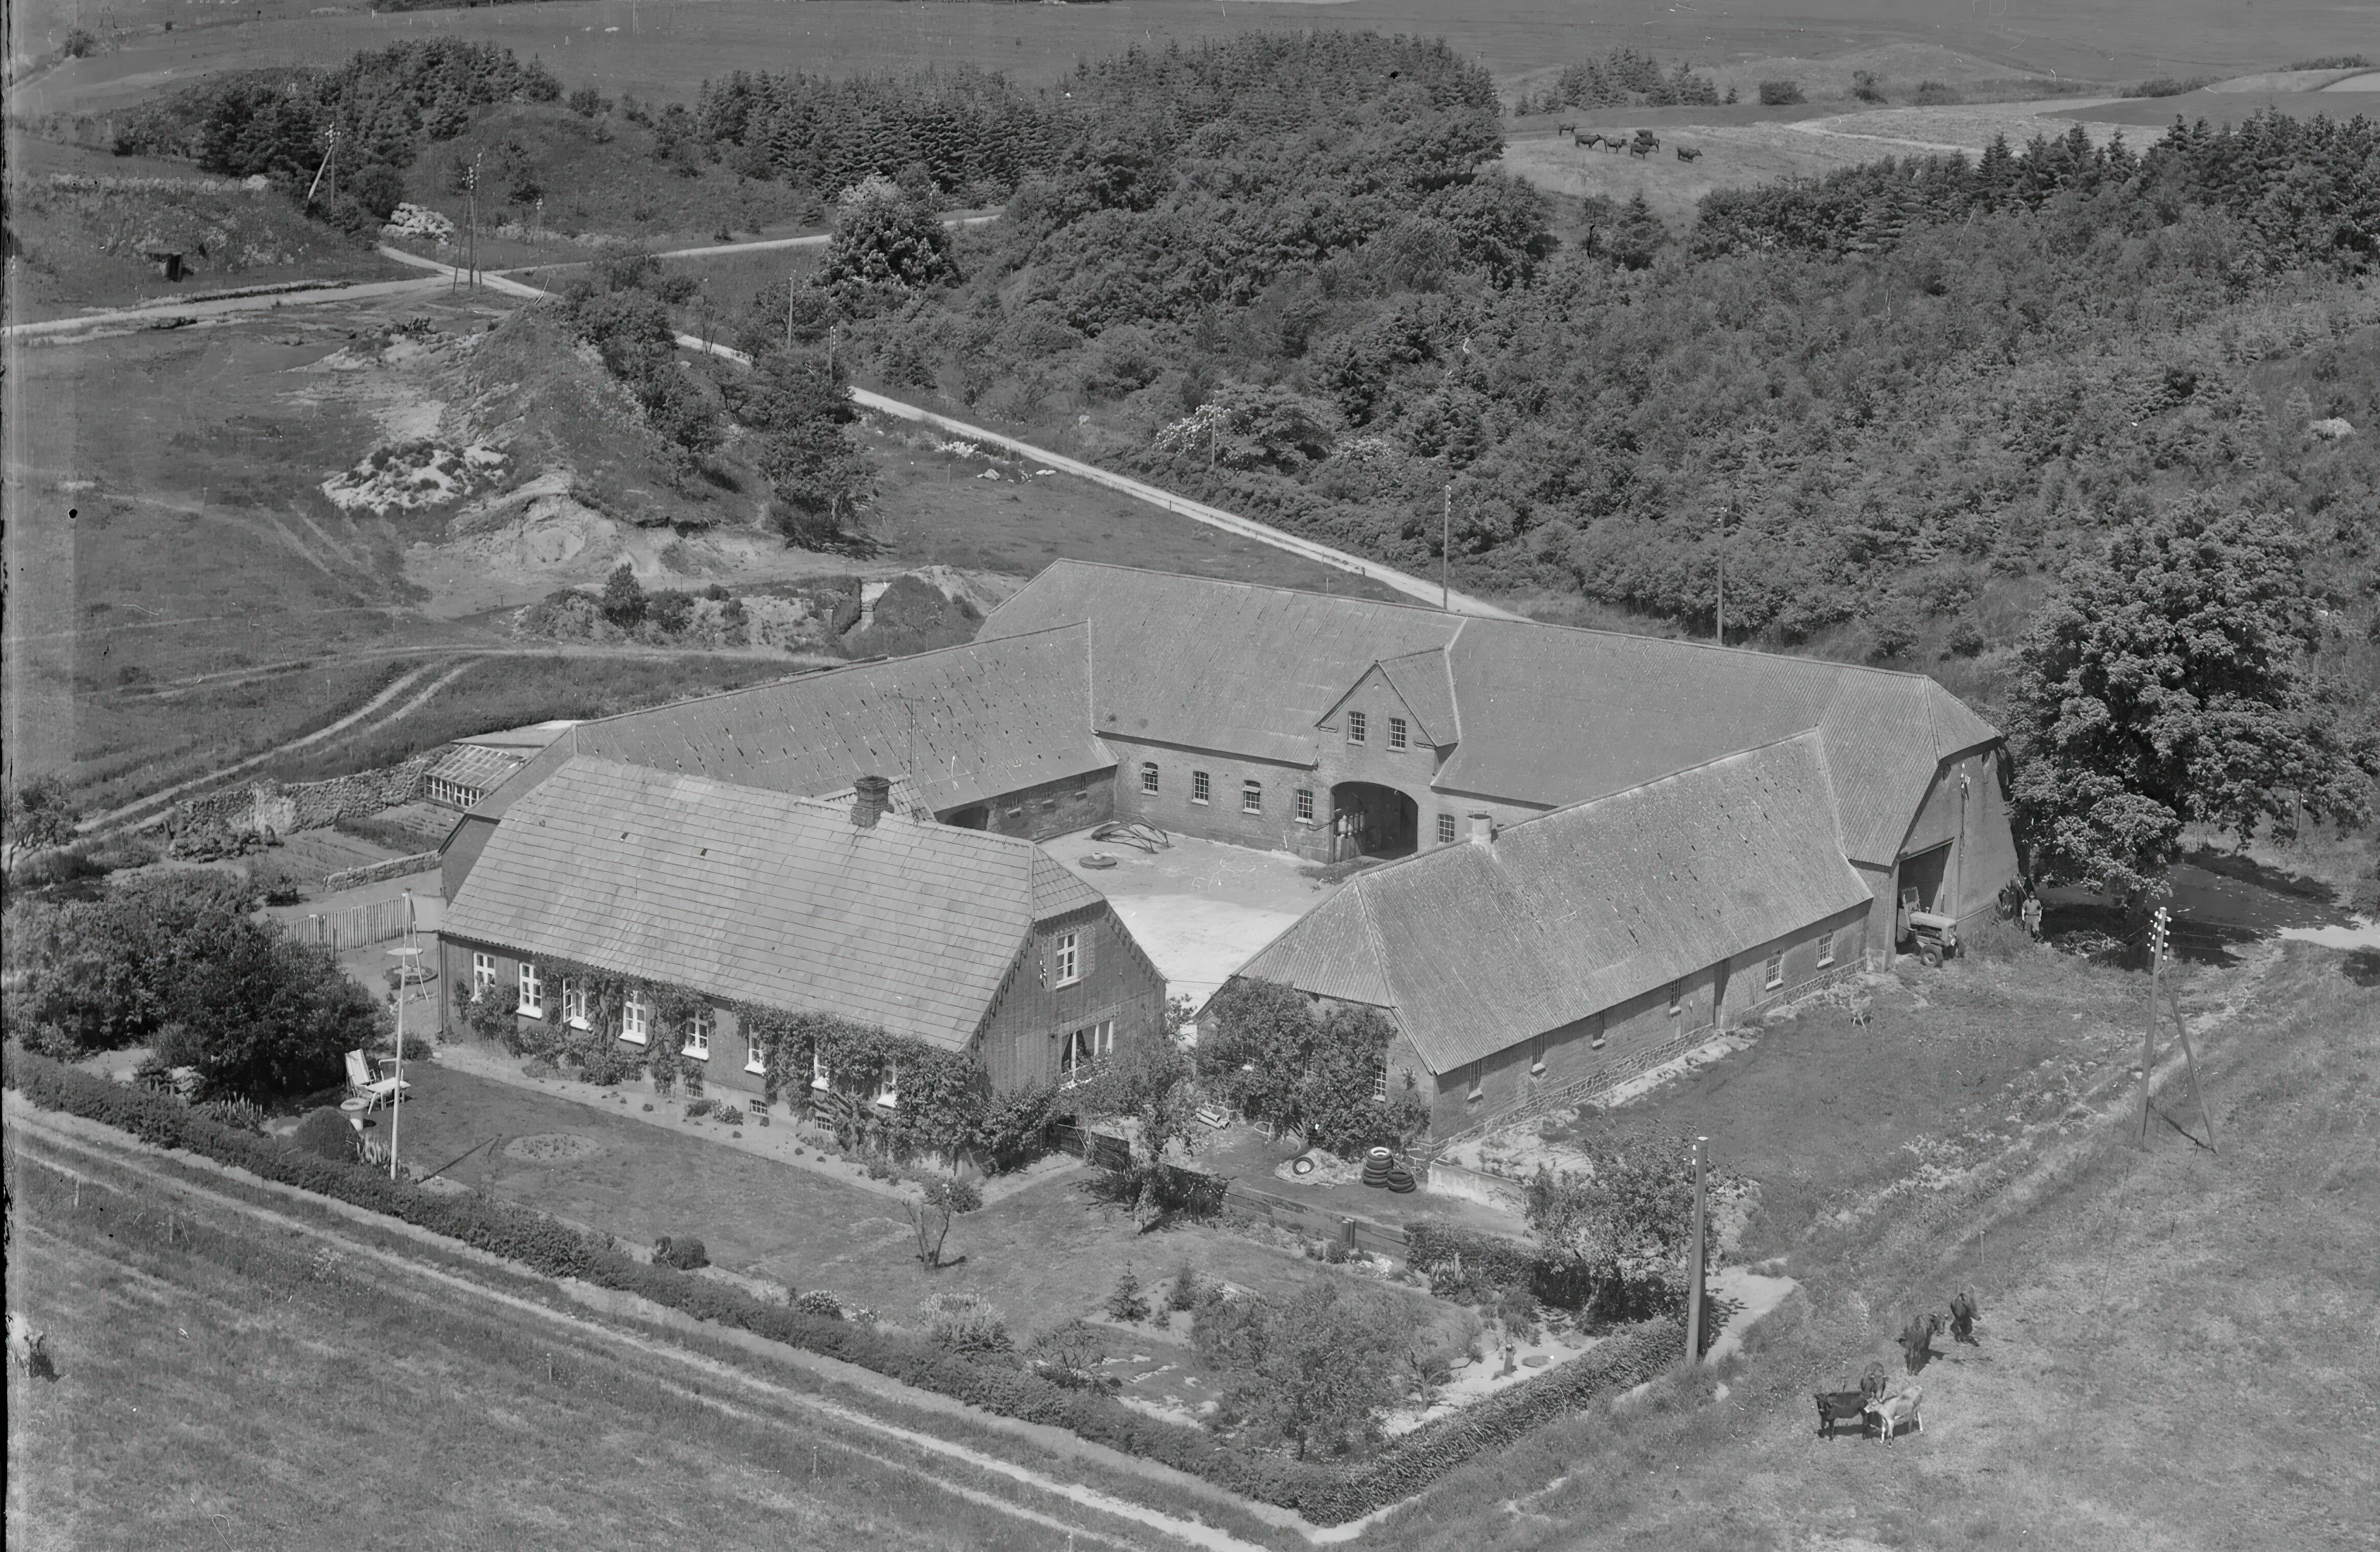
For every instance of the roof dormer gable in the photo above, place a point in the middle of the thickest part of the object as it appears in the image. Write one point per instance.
(1416, 687)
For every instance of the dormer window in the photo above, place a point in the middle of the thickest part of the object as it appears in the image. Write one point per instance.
(1065, 960)
(1397, 732)
(1355, 727)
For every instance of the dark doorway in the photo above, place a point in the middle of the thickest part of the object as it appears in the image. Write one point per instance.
(979, 816)
(1368, 819)
(1922, 877)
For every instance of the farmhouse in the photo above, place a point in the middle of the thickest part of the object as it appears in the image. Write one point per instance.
(749, 899)
(1601, 845)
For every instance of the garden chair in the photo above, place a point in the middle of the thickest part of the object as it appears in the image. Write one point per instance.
(365, 1086)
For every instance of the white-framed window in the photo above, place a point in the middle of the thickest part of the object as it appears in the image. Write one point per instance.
(1305, 804)
(1677, 997)
(1446, 829)
(888, 1087)
(1066, 959)
(1537, 1057)
(574, 1004)
(1380, 1082)
(819, 1078)
(1251, 797)
(1201, 788)
(1478, 1083)
(1085, 1049)
(1396, 733)
(1826, 950)
(1773, 975)
(483, 976)
(634, 1018)
(698, 1036)
(1148, 777)
(756, 1055)
(1355, 727)
(532, 992)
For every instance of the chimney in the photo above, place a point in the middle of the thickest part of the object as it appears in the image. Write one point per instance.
(871, 797)
(1483, 829)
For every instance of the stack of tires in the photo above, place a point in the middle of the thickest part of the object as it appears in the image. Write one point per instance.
(1382, 1169)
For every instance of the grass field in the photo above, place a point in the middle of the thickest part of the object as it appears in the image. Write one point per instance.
(669, 49)
(218, 1385)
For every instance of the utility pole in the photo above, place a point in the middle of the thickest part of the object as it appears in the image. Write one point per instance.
(1695, 1265)
(1719, 609)
(1445, 544)
(789, 313)
(471, 208)
(330, 149)
(2148, 1036)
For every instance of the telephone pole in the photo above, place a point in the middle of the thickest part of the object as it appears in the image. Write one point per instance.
(1720, 608)
(2148, 1036)
(1694, 1263)
(1445, 544)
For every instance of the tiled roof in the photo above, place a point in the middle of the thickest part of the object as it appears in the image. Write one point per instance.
(480, 769)
(1546, 715)
(965, 723)
(1474, 947)
(763, 897)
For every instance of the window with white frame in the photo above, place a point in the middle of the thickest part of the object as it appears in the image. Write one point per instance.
(1085, 1049)
(888, 1087)
(634, 1015)
(532, 992)
(1305, 804)
(1380, 1082)
(574, 1004)
(1537, 1057)
(756, 1055)
(1826, 950)
(1148, 777)
(1478, 1083)
(1396, 733)
(1773, 975)
(1677, 997)
(1201, 789)
(698, 1036)
(1251, 797)
(1446, 829)
(1355, 727)
(818, 1069)
(483, 976)
(1066, 959)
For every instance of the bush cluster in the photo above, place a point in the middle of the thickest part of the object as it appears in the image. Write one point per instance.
(1326, 1495)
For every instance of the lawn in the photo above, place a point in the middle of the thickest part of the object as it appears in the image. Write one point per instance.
(222, 1386)
(1044, 1256)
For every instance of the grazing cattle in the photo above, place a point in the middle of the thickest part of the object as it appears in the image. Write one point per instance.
(1891, 1412)
(1638, 148)
(29, 1351)
(1873, 1383)
(1963, 1319)
(1838, 1407)
(1587, 139)
(1690, 153)
(1917, 1340)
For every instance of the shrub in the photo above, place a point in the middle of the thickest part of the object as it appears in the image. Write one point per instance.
(963, 1322)
(1127, 1303)
(80, 44)
(1934, 95)
(820, 1303)
(728, 1115)
(682, 1251)
(325, 1133)
(1780, 93)
(1183, 1294)
(244, 1115)
(959, 1195)
(698, 1108)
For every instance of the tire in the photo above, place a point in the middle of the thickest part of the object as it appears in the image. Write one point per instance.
(1932, 954)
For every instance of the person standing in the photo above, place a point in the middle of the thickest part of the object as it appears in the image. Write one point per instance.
(2032, 914)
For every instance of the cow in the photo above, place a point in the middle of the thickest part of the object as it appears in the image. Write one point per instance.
(1690, 153)
(1891, 1412)
(1638, 148)
(29, 1351)
(1587, 139)
(1873, 1383)
(1917, 1340)
(1838, 1407)
(1962, 1318)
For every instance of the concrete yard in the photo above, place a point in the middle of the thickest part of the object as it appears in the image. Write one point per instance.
(1201, 909)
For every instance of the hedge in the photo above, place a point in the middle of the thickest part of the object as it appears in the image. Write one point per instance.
(1323, 1494)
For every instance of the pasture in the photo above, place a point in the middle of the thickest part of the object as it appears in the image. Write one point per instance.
(667, 48)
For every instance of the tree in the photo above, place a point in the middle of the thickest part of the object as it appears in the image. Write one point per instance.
(261, 1015)
(1149, 1090)
(1618, 1231)
(37, 816)
(822, 479)
(623, 596)
(2163, 684)
(1277, 1055)
(884, 239)
(106, 974)
(1322, 1362)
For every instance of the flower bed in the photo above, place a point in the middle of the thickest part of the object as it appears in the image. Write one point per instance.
(1323, 1494)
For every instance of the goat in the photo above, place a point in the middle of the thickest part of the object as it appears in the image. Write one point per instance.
(1900, 1406)
(1962, 1318)
(1838, 1407)
(29, 1350)
(1917, 1340)
(1690, 153)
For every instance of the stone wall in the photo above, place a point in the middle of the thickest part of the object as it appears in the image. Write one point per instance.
(282, 809)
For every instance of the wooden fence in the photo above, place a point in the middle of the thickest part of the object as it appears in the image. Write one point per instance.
(357, 925)
(1299, 1218)
(1093, 1147)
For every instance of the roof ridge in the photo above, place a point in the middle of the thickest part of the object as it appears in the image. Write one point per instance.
(818, 676)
